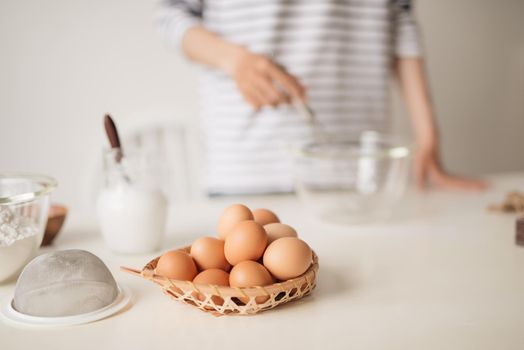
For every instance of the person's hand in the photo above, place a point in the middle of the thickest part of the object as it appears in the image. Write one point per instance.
(263, 82)
(429, 171)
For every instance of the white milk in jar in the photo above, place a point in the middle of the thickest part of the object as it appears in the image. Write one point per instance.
(132, 211)
(132, 220)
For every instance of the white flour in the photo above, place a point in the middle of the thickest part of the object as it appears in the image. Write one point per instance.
(14, 227)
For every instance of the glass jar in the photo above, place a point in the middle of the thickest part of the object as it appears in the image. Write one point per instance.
(131, 207)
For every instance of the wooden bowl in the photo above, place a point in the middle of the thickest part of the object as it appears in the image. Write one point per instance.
(55, 221)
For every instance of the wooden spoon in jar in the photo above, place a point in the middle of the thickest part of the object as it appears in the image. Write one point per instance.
(114, 141)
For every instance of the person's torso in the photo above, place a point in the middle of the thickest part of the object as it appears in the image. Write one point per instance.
(340, 51)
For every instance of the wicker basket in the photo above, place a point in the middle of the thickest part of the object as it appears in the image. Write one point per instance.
(220, 300)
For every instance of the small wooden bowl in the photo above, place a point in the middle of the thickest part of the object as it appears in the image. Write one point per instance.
(55, 221)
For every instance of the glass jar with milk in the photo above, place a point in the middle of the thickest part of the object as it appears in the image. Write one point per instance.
(131, 208)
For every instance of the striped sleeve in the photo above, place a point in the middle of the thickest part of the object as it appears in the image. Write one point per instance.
(175, 17)
(407, 36)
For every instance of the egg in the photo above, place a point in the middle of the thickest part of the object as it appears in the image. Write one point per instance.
(277, 230)
(247, 241)
(231, 216)
(287, 258)
(265, 216)
(212, 276)
(250, 274)
(177, 265)
(208, 253)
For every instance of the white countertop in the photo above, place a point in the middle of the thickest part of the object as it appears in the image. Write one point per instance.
(446, 276)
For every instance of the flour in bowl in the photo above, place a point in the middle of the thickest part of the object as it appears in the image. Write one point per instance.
(14, 226)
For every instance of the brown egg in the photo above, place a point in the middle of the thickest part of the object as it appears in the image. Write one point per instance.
(177, 265)
(231, 216)
(287, 258)
(215, 277)
(212, 276)
(277, 230)
(208, 253)
(250, 274)
(265, 216)
(247, 241)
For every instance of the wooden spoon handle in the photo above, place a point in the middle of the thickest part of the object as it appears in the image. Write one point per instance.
(112, 135)
(111, 131)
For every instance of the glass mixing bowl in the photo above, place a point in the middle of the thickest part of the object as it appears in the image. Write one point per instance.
(352, 181)
(24, 203)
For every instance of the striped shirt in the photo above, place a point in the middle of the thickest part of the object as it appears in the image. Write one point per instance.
(340, 50)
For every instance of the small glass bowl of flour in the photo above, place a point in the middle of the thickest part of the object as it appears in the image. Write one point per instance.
(24, 204)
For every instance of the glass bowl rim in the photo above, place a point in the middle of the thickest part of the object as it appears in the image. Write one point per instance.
(48, 185)
(398, 149)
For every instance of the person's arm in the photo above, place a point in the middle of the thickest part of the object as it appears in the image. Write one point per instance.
(427, 164)
(260, 80)
(413, 83)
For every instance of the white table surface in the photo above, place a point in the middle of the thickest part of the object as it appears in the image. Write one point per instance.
(446, 276)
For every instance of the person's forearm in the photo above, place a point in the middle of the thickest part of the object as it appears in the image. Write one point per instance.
(261, 81)
(427, 164)
(205, 47)
(415, 90)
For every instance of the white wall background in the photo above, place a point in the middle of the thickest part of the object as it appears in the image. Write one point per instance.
(64, 63)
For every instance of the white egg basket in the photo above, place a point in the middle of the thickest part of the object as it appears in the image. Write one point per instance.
(220, 300)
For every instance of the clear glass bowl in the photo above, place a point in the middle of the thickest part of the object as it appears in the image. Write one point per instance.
(352, 181)
(24, 203)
